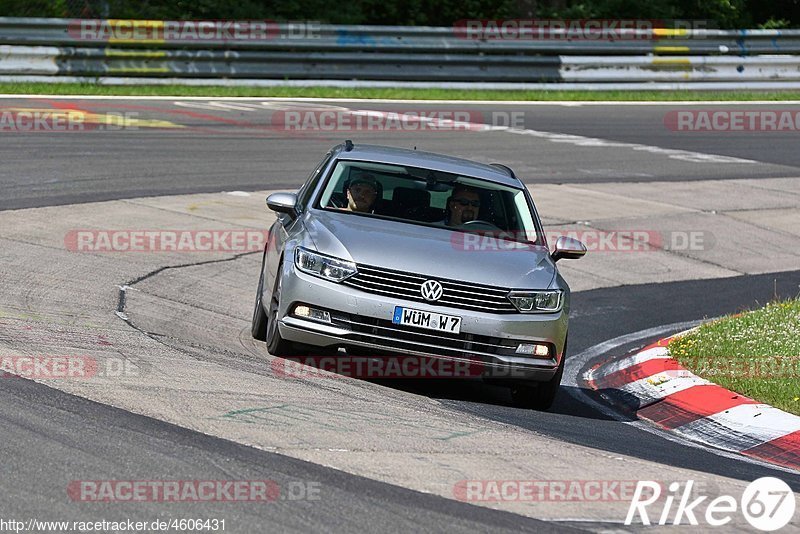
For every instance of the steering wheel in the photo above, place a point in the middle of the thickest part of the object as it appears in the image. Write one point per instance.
(338, 201)
(478, 224)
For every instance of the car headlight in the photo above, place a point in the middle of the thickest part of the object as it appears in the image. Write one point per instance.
(326, 267)
(548, 301)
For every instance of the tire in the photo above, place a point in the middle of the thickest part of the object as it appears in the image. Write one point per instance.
(259, 324)
(276, 345)
(541, 395)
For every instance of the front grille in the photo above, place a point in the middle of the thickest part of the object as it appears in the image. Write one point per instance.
(386, 333)
(464, 295)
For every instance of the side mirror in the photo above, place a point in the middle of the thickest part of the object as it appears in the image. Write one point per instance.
(568, 248)
(283, 203)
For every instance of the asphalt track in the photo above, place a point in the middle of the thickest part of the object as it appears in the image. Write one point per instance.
(49, 438)
(53, 437)
(238, 144)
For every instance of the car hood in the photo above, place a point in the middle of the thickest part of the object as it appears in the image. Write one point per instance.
(435, 252)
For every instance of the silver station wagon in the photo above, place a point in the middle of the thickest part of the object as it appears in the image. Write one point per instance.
(387, 251)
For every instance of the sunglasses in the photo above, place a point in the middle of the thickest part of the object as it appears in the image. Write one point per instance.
(464, 202)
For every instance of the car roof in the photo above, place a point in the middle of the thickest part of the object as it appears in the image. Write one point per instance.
(428, 160)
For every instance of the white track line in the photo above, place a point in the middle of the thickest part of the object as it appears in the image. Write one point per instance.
(417, 101)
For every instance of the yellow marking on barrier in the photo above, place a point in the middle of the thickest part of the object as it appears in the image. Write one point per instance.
(135, 53)
(671, 49)
(672, 61)
(86, 117)
(135, 31)
(670, 32)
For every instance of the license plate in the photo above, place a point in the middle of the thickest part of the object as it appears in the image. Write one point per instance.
(427, 320)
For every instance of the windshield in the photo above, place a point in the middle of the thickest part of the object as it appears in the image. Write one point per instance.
(432, 198)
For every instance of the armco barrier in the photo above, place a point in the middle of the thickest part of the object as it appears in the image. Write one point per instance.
(57, 48)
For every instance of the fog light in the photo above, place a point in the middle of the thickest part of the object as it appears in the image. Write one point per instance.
(312, 313)
(533, 349)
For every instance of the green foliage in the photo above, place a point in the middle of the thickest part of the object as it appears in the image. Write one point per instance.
(755, 353)
(773, 24)
(34, 8)
(210, 90)
(717, 13)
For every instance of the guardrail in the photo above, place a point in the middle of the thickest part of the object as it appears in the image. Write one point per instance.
(63, 49)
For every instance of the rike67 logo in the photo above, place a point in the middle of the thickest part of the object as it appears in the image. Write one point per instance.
(768, 504)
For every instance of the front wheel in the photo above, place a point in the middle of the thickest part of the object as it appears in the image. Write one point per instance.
(259, 325)
(276, 345)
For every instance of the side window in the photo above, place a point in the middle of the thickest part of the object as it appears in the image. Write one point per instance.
(304, 195)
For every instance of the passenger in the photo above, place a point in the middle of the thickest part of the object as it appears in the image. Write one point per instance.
(362, 192)
(462, 206)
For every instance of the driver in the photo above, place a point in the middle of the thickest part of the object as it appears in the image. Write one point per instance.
(362, 193)
(463, 206)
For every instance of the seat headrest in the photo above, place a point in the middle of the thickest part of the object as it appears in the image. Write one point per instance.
(408, 195)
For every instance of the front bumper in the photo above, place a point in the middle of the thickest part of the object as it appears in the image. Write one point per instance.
(362, 321)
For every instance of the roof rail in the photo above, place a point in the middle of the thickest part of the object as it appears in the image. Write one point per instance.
(505, 168)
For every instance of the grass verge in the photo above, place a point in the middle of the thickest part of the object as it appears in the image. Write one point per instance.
(389, 93)
(755, 353)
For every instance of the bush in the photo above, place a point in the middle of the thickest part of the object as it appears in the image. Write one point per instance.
(719, 13)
